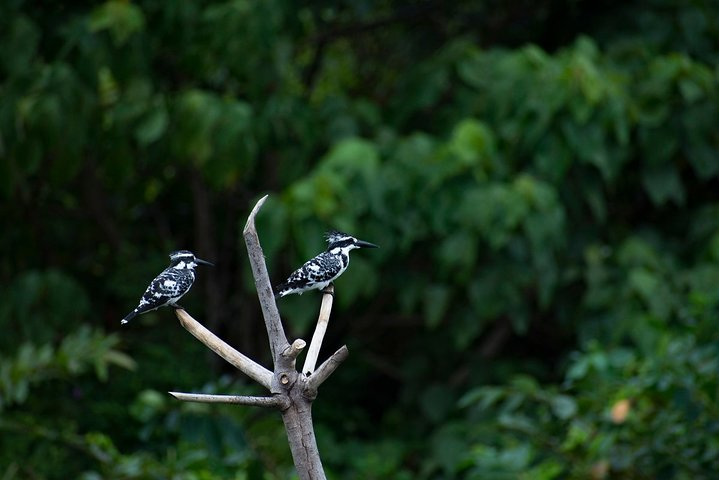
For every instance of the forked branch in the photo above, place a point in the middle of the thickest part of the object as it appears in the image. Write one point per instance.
(292, 392)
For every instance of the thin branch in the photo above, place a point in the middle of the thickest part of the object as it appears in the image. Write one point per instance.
(267, 402)
(243, 363)
(320, 329)
(325, 370)
(275, 332)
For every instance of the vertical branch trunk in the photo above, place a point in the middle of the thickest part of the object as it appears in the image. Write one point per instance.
(292, 392)
(301, 435)
(297, 417)
(277, 337)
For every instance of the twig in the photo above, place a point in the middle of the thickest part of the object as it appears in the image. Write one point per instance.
(267, 402)
(324, 371)
(293, 351)
(320, 329)
(245, 364)
(275, 332)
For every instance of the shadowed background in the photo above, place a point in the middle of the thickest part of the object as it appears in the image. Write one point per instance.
(541, 178)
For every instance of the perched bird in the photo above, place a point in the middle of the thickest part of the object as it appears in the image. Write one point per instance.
(322, 270)
(169, 286)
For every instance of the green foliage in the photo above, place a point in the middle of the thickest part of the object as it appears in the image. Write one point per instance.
(636, 416)
(543, 189)
(77, 353)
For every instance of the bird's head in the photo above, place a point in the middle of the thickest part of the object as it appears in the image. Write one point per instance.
(345, 242)
(186, 259)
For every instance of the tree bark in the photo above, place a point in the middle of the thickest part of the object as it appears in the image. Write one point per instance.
(303, 444)
(292, 392)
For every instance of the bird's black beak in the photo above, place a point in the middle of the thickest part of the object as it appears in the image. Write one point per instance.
(203, 262)
(363, 244)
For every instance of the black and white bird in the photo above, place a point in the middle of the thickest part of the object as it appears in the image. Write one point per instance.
(169, 286)
(323, 269)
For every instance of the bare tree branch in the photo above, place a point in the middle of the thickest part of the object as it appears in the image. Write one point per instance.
(275, 332)
(267, 402)
(325, 370)
(245, 364)
(320, 329)
(293, 392)
(293, 351)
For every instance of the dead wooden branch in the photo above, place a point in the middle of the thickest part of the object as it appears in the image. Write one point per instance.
(292, 391)
(328, 295)
(278, 340)
(325, 370)
(268, 402)
(294, 350)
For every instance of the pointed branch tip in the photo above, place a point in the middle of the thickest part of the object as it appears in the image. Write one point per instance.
(250, 225)
(266, 402)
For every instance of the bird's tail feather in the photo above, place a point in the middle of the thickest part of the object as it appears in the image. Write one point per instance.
(278, 290)
(129, 317)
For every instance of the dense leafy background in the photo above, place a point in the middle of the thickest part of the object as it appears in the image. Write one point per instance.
(542, 177)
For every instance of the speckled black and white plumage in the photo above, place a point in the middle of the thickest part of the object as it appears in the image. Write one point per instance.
(169, 286)
(323, 269)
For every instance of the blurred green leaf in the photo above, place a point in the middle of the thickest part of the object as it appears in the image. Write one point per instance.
(121, 18)
(153, 126)
(436, 300)
(663, 184)
(473, 143)
(564, 406)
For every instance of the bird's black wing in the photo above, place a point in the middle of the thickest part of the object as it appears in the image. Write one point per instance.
(166, 288)
(322, 268)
